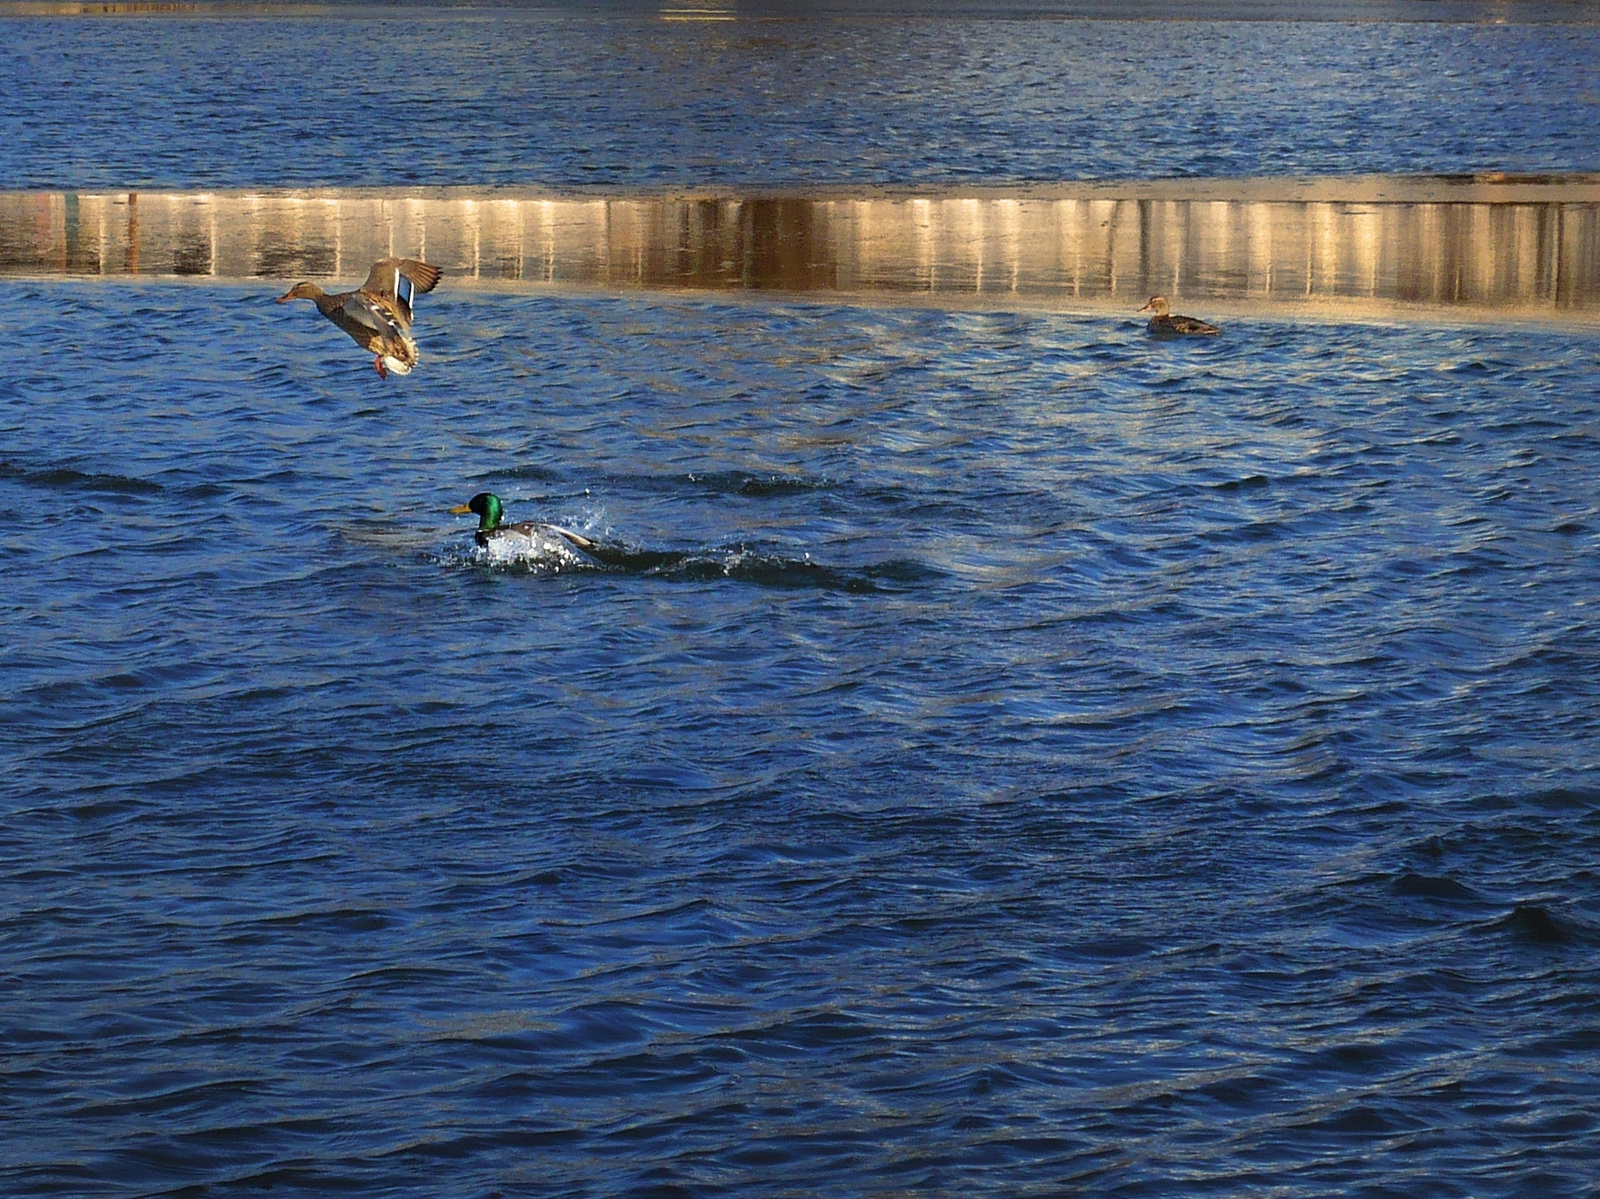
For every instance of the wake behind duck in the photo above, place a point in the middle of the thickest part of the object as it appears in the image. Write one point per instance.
(541, 546)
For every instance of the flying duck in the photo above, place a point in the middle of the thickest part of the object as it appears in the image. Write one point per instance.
(1165, 324)
(378, 313)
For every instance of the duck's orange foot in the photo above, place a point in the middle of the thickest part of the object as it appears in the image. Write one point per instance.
(377, 365)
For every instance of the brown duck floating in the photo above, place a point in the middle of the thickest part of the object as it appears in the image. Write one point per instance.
(1165, 324)
(378, 313)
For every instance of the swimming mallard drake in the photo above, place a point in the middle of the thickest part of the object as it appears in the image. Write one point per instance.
(378, 313)
(486, 506)
(1165, 324)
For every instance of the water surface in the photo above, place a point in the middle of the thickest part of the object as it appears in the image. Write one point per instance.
(1036, 758)
(412, 96)
(996, 754)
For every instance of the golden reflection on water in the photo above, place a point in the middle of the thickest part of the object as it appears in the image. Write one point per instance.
(1528, 254)
(702, 12)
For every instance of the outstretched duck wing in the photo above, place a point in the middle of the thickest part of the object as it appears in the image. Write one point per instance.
(398, 279)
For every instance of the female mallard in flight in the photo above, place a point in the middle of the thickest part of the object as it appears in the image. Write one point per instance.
(378, 313)
(492, 532)
(1165, 324)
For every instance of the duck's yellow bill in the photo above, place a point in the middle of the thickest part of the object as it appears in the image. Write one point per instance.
(461, 510)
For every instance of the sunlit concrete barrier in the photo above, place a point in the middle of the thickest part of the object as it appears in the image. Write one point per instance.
(1529, 246)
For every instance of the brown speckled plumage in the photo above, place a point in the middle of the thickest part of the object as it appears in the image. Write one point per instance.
(377, 315)
(1166, 324)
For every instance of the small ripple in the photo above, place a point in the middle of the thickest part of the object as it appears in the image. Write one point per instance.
(1422, 886)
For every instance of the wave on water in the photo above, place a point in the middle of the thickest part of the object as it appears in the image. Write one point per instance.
(546, 551)
(68, 479)
(744, 565)
(763, 486)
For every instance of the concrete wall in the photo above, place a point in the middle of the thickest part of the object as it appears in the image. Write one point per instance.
(1523, 255)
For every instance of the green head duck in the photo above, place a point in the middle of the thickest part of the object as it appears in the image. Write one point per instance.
(486, 506)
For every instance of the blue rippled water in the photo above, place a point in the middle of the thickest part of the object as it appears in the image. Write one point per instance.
(409, 96)
(991, 754)
(1036, 760)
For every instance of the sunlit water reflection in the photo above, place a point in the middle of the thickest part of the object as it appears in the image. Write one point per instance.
(1528, 247)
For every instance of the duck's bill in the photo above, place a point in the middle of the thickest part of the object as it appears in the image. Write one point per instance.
(461, 510)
